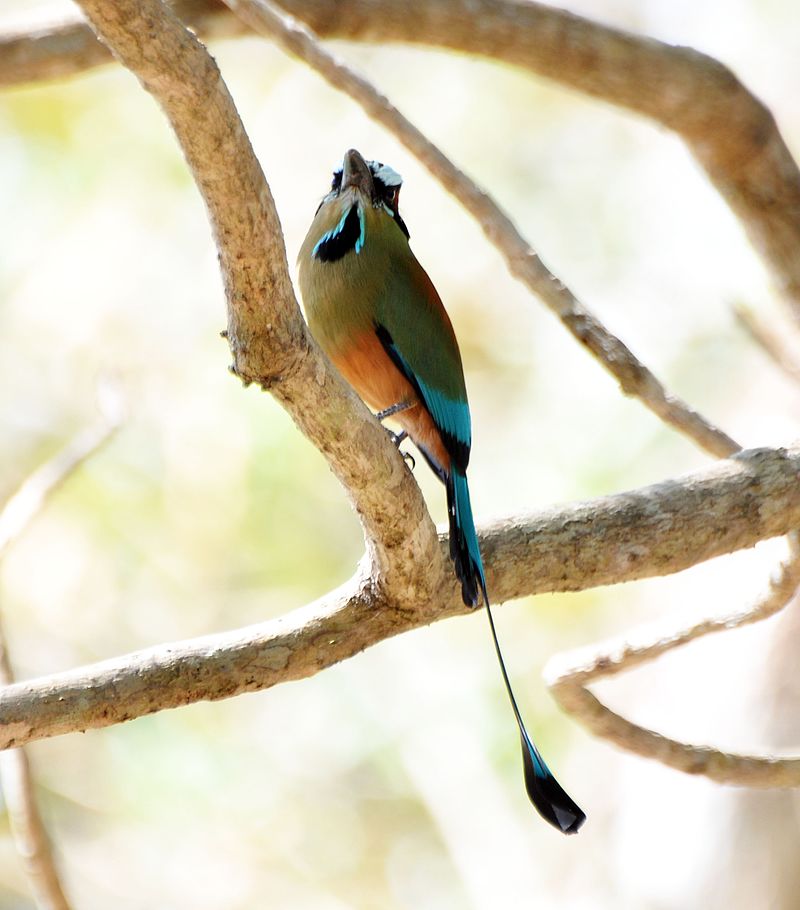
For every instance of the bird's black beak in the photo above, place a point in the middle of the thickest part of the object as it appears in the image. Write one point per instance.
(356, 173)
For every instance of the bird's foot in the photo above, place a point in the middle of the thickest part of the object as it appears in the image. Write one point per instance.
(397, 438)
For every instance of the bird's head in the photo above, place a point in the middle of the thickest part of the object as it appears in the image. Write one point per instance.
(360, 190)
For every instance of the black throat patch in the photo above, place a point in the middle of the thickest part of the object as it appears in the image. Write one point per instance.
(338, 241)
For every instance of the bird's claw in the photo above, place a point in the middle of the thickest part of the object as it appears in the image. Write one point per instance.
(397, 438)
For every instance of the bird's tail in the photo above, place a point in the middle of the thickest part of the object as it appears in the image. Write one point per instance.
(464, 548)
(548, 797)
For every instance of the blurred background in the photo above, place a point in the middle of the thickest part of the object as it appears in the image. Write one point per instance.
(391, 781)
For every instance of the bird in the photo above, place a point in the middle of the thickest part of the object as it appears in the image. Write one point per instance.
(376, 314)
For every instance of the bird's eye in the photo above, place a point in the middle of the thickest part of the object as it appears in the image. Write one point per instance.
(392, 196)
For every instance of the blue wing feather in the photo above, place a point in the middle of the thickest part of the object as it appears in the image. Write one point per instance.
(450, 415)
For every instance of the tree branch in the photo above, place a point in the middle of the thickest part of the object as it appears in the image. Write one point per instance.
(653, 531)
(730, 132)
(266, 331)
(69, 47)
(568, 677)
(21, 508)
(27, 827)
(29, 833)
(780, 346)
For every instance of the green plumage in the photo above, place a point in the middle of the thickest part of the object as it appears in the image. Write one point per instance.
(383, 284)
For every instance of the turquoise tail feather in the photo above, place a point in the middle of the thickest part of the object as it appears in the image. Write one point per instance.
(551, 801)
(464, 548)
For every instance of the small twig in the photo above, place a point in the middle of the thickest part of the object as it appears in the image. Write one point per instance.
(28, 829)
(569, 675)
(772, 343)
(27, 502)
(634, 377)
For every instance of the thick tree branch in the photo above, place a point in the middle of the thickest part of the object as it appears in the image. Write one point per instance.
(68, 47)
(731, 133)
(654, 531)
(266, 331)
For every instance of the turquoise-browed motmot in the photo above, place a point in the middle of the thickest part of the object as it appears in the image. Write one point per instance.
(375, 312)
